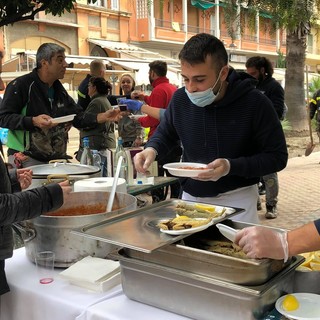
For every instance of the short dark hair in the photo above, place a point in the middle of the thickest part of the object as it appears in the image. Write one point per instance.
(102, 86)
(159, 67)
(259, 62)
(47, 51)
(96, 66)
(198, 47)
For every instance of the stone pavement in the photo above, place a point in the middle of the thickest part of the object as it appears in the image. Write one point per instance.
(299, 195)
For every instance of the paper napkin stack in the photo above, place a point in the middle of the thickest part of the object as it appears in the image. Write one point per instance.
(94, 274)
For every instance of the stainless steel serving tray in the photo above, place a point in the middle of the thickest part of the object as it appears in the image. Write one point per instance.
(138, 229)
(191, 256)
(200, 297)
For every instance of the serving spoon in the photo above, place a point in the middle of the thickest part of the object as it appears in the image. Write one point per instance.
(114, 185)
(227, 231)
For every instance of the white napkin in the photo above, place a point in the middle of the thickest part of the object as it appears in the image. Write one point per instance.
(93, 273)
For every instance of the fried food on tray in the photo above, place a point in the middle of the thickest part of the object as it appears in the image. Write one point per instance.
(198, 210)
(225, 247)
(181, 223)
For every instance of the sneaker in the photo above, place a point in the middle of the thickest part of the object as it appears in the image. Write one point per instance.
(259, 206)
(262, 190)
(272, 212)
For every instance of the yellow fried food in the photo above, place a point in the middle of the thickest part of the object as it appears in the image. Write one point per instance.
(198, 210)
(181, 223)
(312, 262)
(290, 303)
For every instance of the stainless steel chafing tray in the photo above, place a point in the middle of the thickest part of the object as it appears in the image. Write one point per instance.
(189, 255)
(138, 229)
(201, 297)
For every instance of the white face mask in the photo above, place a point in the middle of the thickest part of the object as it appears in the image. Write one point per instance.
(204, 98)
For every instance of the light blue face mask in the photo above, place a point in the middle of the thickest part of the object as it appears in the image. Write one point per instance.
(204, 98)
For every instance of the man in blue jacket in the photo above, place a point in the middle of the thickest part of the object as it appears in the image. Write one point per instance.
(215, 116)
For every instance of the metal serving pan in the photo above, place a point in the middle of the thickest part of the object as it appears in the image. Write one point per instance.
(138, 229)
(190, 255)
(200, 297)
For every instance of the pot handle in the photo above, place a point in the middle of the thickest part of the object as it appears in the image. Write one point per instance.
(58, 160)
(24, 232)
(52, 177)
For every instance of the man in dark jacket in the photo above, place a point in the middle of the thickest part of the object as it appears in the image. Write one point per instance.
(314, 108)
(15, 207)
(29, 104)
(261, 69)
(216, 118)
(97, 69)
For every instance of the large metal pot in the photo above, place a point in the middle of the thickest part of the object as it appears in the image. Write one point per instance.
(53, 230)
(58, 170)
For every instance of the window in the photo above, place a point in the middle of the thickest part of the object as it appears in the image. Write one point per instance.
(98, 3)
(114, 4)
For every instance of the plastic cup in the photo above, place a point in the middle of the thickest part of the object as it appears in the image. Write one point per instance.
(45, 266)
(122, 106)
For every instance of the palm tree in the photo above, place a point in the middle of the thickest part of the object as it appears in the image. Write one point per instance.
(296, 17)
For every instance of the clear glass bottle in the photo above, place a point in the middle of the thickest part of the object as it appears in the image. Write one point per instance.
(124, 166)
(86, 157)
(97, 160)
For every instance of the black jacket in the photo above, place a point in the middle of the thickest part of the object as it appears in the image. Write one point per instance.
(15, 207)
(242, 127)
(274, 91)
(26, 97)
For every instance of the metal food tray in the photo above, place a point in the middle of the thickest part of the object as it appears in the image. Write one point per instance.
(200, 297)
(188, 255)
(138, 229)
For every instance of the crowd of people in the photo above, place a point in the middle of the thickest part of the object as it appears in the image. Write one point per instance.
(226, 119)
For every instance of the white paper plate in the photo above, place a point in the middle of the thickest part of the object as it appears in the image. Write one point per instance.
(188, 231)
(136, 116)
(63, 119)
(176, 169)
(309, 307)
(227, 231)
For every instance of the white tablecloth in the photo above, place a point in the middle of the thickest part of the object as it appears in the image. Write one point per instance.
(59, 300)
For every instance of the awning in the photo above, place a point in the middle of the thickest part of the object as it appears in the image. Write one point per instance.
(125, 48)
(203, 5)
(84, 60)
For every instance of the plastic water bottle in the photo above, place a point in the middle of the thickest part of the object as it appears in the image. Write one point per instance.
(86, 157)
(4, 135)
(124, 166)
(97, 160)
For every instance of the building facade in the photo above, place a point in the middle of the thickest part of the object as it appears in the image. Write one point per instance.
(128, 34)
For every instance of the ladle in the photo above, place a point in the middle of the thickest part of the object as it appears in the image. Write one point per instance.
(114, 185)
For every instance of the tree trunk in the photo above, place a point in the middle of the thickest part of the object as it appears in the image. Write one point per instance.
(294, 81)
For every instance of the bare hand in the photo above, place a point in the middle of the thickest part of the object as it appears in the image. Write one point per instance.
(138, 142)
(219, 168)
(24, 177)
(66, 189)
(111, 115)
(43, 121)
(137, 95)
(143, 159)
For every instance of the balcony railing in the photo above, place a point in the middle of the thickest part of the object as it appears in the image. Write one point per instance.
(267, 41)
(249, 38)
(193, 29)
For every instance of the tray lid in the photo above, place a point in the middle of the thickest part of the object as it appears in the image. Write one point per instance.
(138, 229)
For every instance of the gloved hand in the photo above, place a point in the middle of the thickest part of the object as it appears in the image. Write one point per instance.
(261, 242)
(133, 105)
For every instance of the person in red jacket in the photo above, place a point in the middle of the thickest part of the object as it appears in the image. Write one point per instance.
(159, 98)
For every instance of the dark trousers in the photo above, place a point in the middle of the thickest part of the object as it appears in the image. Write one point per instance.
(160, 194)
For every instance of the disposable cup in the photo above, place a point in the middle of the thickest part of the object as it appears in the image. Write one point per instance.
(45, 266)
(122, 106)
